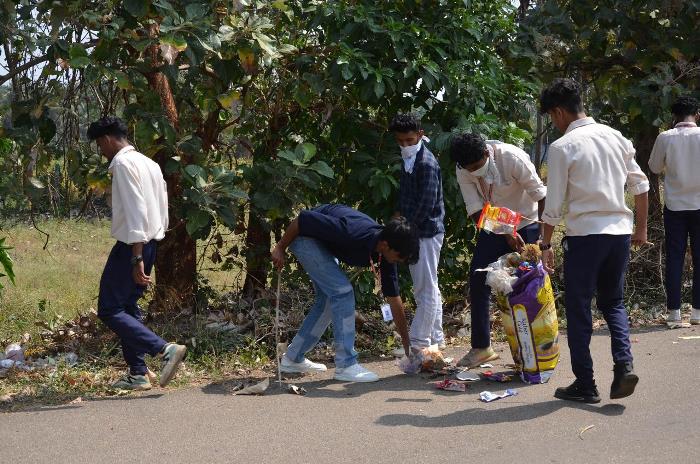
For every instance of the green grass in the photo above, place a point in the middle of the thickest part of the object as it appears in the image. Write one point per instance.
(62, 280)
(56, 284)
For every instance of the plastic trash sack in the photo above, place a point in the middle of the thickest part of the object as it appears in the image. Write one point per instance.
(529, 318)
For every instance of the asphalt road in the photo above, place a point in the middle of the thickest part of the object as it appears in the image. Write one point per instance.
(400, 419)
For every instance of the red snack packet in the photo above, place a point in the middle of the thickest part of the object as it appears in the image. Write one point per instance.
(499, 220)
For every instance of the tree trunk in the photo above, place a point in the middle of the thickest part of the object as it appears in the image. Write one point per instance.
(257, 254)
(644, 144)
(645, 279)
(176, 260)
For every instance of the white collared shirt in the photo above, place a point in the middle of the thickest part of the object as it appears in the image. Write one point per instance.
(139, 198)
(677, 153)
(588, 169)
(516, 184)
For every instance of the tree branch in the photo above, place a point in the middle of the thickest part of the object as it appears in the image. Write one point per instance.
(33, 62)
(29, 64)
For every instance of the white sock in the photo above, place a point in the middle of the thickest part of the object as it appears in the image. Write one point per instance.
(674, 315)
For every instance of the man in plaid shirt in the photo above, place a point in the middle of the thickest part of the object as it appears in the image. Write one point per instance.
(420, 202)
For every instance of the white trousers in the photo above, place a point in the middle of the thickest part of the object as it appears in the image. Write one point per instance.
(426, 328)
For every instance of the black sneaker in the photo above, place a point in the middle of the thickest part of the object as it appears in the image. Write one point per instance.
(578, 392)
(624, 381)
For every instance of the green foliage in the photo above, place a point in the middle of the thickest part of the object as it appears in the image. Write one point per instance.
(211, 193)
(280, 104)
(633, 57)
(6, 263)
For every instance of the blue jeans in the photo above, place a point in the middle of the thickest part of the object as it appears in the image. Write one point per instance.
(489, 247)
(595, 264)
(678, 226)
(117, 306)
(335, 302)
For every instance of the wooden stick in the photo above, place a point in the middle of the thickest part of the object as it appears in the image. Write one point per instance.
(277, 330)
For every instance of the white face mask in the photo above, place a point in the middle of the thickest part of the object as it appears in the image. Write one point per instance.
(411, 150)
(481, 172)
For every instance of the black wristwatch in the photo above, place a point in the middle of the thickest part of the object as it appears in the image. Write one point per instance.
(545, 246)
(136, 259)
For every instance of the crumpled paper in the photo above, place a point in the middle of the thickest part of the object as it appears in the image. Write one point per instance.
(451, 385)
(255, 389)
(487, 396)
(468, 376)
(296, 390)
(14, 352)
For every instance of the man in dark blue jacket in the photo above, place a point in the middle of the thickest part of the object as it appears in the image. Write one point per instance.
(320, 238)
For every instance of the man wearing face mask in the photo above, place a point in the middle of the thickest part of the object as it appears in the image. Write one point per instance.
(503, 175)
(420, 202)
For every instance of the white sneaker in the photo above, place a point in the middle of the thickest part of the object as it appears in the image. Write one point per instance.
(290, 367)
(695, 317)
(355, 373)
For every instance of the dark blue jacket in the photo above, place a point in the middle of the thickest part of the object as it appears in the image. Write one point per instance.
(350, 236)
(420, 195)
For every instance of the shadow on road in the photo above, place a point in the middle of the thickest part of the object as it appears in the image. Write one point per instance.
(483, 416)
(21, 401)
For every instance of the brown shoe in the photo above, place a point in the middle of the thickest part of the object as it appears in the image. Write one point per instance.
(477, 356)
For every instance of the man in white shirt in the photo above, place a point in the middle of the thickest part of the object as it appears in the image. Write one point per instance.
(503, 175)
(676, 153)
(139, 220)
(588, 169)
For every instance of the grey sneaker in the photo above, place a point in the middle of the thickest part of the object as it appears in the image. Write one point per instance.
(173, 355)
(674, 321)
(695, 317)
(132, 382)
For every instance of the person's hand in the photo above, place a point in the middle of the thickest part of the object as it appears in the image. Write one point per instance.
(515, 242)
(639, 238)
(548, 260)
(139, 275)
(278, 257)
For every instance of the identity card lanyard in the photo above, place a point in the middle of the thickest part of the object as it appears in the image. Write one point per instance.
(385, 308)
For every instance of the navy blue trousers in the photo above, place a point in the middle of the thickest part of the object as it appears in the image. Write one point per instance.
(595, 264)
(117, 305)
(678, 226)
(489, 247)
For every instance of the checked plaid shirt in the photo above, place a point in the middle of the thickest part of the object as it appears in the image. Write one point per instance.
(420, 195)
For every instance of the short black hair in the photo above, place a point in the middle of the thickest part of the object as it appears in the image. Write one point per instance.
(467, 148)
(401, 236)
(561, 93)
(108, 125)
(685, 106)
(405, 122)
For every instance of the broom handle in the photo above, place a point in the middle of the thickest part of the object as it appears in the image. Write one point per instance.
(277, 329)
